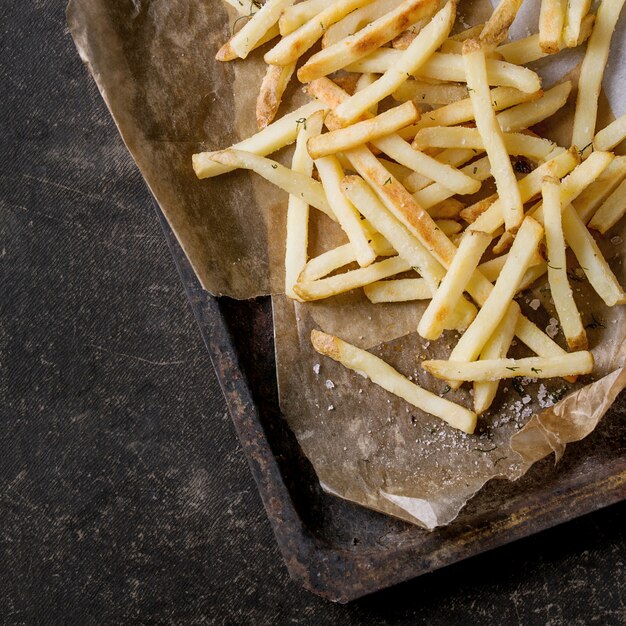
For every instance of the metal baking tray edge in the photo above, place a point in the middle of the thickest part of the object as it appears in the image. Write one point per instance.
(342, 571)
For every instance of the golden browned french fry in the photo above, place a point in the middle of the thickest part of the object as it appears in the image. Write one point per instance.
(496, 348)
(277, 135)
(294, 183)
(363, 132)
(428, 40)
(290, 48)
(611, 135)
(495, 307)
(273, 87)
(297, 239)
(389, 379)
(448, 209)
(471, 213)
(255, 28)
(572, 364)
(551, 20)
(591, 74)
(370, 38)
(491, 133)
(450, 291)
(449, 67)
(426, 93)
(355, 21)
(497, 27)
(296, 15)
(331, 175)
(575, 14)
(611, 211)
(562, 295)
(449, 227)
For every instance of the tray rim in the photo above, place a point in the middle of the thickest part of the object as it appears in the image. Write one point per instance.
(341, 575)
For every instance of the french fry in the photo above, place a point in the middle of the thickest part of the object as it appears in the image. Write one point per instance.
(557, 268)
(363, 132)
(491, 133)
(611, 135)
(310, 291)
(365, 80)
(551, 20)
(331, 175)
(611, 211)
(448, 209)
(469, 33)
(370, 38)
(495, 307)
(255, 28)
(449, 67)
(428, 40)
(399, 171)
(471, 213)
(329, 262)
(591, 74)
(277, 135)
(591, 199)
(398, 290)
(355, 21)
(449, 227)
(575, 14)
(590, 258)
(294, 183)
(298, 210)
(414, 182)
(273, 87)
(496, 348)
(383, 375)
(450, 291)
(290, 48)
(519, 144)
(427, 93)
(572, 364)
(497, 27)
(296, 15)
(528, 49)
(463, 111)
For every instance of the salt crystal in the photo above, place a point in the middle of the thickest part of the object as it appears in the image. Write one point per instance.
(329, 384)
(553, 328)
(535, 304)
(316, 368)
(331, 407)
(617, 240)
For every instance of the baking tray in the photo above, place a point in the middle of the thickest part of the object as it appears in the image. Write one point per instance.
(342, 551)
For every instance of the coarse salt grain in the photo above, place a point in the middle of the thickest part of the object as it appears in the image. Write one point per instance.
(316, 369)
(535, 304)
(329, 384)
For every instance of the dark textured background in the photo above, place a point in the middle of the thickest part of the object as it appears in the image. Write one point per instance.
(125, 497)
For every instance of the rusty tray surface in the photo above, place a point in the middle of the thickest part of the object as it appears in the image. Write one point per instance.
(342, 551)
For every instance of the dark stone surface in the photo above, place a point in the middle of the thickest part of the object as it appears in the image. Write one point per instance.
(124, 495)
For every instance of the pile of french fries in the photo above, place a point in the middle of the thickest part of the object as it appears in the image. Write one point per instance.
(455, 111)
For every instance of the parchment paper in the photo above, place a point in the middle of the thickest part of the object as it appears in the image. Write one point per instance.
(153, 61)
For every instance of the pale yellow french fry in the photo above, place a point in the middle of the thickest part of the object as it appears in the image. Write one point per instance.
(294, 183)
(572, 364)
(383, 375)
(528, 49)
(290, 48)
(365, 80)
(449, 227)
(255, 28)
(591, 199)
(562, 295)
(355, 21)
(463, 111)
(575, 14)
(331, 175)
(296, 15)
(363, 132)
(427, 93)
(469, 33)
(428, 40)
(496, 348)
(495, 307)
(551, 20)
(277, 135)
(497, 26)
(590, 258)
(611, 135)
(333, 260)
(310, 291)
(297, 238)
(611, 211)
(370, 38)
(398, 290)
(530, 186)
(449, 67)
(518, 144)
(450, 291)
(273, 87)
(414, 182)
(399, 171)
(491, 133)
(591, 74)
